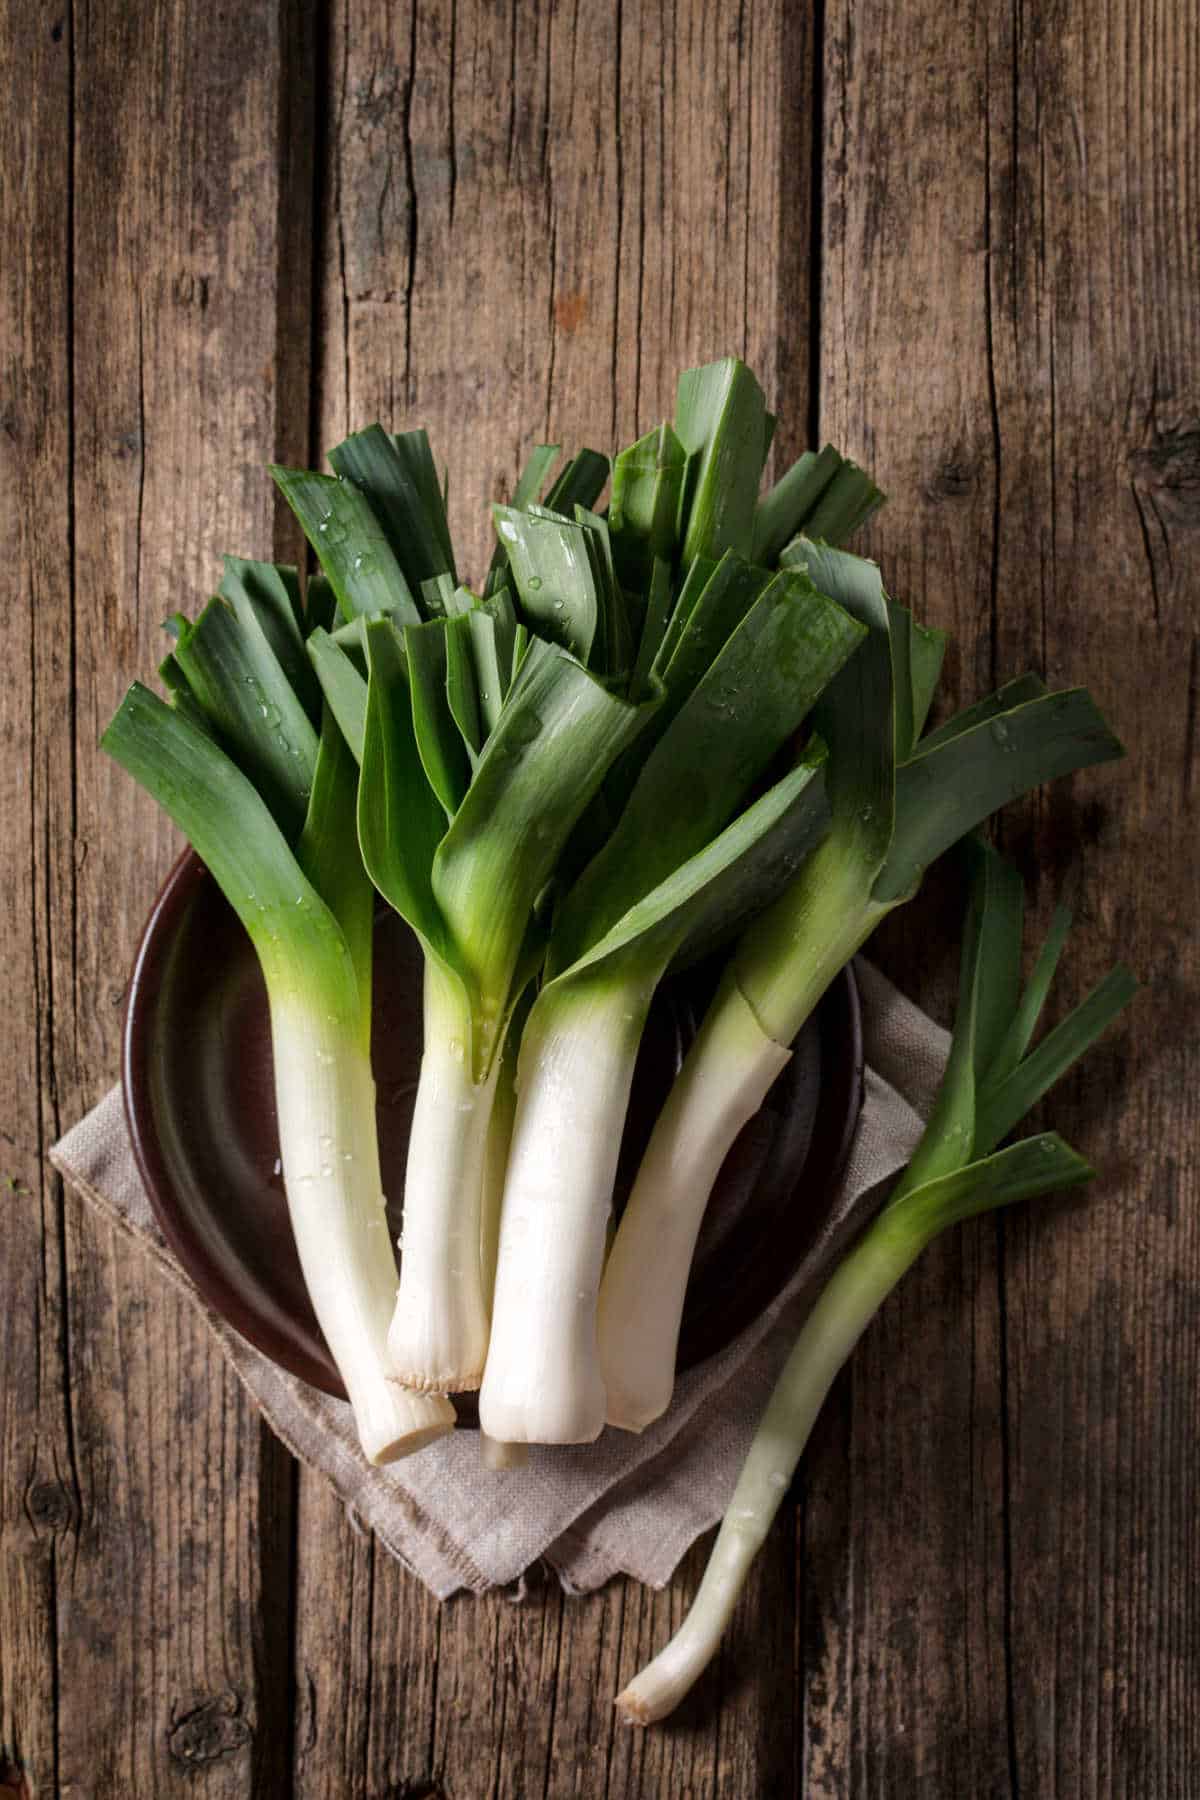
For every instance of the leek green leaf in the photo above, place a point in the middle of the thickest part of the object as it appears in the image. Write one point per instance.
(400, 820)
(647, 486)
(846, 503)
(413, 449)
(233, 832)
(327, 852)
(235, 677)
(268, 595)
(654, 625)
(1002, 1103)
(556, 736)
(720, 418)
(1029, 1009)
(926, 653)
(705, 897)
(1037, 1165)
(462, 692)
(781, 513)
(443, 753)
(345, 690)
(786, 649)
(944, 792)
(552, 570)
(699, 574)
(580, 484)
(542, 459)
(1012, 693)
(351, 544)
(400, 499)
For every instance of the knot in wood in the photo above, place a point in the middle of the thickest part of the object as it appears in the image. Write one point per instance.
(49, 1506)
(211, 1730)
(954, 478)
(1168, 470)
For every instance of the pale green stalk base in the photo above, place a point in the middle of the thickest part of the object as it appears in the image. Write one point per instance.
(727, 1075)
(439, 1332)
(833, 1328)
(780, 972)
(325, 1097)
(542, 1383)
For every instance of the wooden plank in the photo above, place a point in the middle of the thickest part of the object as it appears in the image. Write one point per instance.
(519, 246)
(150, 1635)
(1008, 340)
(533, 221)
(904, 1532)
(38, 1490)
(1095, 181)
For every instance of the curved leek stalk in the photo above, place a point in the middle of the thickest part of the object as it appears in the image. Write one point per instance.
(897, 804)
(955, 1173)
(857, 1290)
(725, 1079)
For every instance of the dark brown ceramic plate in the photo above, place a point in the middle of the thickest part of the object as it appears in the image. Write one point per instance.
(200, 1103)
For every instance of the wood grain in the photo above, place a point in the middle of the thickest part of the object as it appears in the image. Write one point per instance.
(39, 1494)
(967, 252)
(1002, 250)
(146, 1510)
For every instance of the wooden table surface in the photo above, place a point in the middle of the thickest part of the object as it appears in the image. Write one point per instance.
(963, 242)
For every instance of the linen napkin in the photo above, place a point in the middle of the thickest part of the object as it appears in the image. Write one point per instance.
(628, 1503)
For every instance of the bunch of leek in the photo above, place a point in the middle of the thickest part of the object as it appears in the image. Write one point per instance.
(898, 800)
(480, 746)
(504, 740)
(991, 1081)
(257, 776)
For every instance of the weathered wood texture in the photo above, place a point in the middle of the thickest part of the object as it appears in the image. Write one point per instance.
(146, 1536)
(1009, 336)
(521, 222)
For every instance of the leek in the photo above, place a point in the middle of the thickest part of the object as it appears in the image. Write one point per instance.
(737, 661)
(262, 785)
(955, 1174)
(500, 738)
(482, 738)
(898, 801)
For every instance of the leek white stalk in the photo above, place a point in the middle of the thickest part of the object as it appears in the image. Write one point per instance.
(834, 1326)
(439, 1335)
(469, 887)
(542, 1383)
(325, 1101)
(725, 1079)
